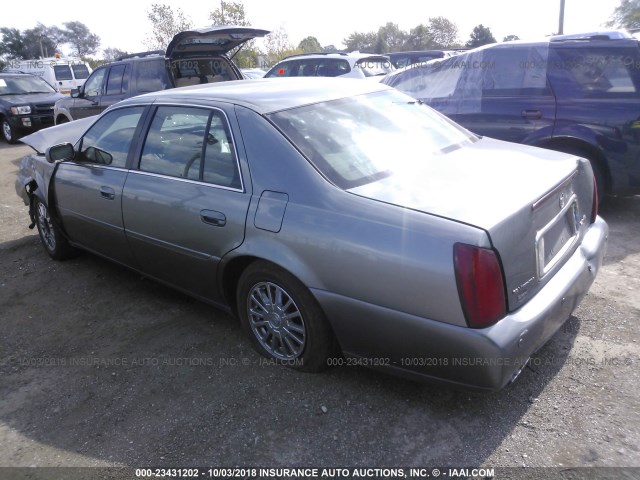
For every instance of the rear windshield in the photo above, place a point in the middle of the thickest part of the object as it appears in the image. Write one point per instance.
(374, 66)
(80, 71)
(359, 140)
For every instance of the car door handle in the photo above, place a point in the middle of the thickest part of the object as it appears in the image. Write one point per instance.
(108, 193)
(212, 217)
(532, 114)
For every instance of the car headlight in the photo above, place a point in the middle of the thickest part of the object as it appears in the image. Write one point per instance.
(22, 110)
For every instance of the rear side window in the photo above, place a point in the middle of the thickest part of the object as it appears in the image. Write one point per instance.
(193, 143)
(80, 71)
(118, 81)
(597, 72)
(151, 76)
(62, 72)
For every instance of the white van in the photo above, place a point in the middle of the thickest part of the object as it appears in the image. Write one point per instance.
(63, 73)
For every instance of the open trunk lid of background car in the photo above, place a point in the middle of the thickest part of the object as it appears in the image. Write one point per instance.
(535, 213)
(214, 40)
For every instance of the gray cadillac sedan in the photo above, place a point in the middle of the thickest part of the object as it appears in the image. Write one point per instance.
(332, 217)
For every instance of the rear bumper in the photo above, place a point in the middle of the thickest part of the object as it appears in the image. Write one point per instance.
(485, 359)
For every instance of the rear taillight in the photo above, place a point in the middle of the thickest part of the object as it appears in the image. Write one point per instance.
(594, 207)
(480, 284)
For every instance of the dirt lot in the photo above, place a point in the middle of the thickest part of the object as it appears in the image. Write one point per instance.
(101, 367)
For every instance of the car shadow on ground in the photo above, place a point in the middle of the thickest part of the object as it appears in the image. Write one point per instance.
(101, 363)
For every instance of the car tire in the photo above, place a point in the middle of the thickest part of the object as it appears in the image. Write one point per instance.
(8, 132)
(62, 119)
(53, 241)
(283, 319)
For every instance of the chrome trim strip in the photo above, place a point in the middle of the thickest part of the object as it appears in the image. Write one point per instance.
(553, 191)
(543, 269)
(185, 180)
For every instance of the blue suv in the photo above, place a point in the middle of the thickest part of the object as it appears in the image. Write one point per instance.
(579, 95)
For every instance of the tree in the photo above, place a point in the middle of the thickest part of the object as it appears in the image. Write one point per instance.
(419, 38)
(310, 45)
(82, 41)
(510, 38)
(278, 46)
(390, 39)
(444, 33)
(166, 24)
(230, 13)
(110, 54)
(363, 42)
(41, 41)
(481, 35)
(329, 49)
(626, 15)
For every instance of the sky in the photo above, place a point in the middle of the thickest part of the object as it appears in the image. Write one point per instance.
(124, 24)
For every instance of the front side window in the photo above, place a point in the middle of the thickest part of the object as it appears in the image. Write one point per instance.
(284, 69)
(360, 140)
(193, 143)
(108, 141)
(93, 86)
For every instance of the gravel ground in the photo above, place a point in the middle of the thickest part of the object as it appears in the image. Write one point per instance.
(101, 367)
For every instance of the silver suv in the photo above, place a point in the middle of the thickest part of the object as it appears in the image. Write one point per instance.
(354, 64)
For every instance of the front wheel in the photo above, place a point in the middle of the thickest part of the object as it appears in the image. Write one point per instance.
(8, 132)
(52, 239)
(283, 319)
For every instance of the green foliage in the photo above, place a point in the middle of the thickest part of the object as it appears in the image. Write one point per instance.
(480, 35)
(110, 54)
(437, 33)
(626, 15)
(310, 45)
(230, 13)
(278, 46)
(41, 41)
(364, 42)
(82, 41)
(165, 25)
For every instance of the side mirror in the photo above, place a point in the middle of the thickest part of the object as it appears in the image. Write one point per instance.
(60, 153)
(95, 155)
(75, 92)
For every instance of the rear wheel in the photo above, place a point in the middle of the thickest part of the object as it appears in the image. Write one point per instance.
(52, 239)
(283, 319)
(8, 132)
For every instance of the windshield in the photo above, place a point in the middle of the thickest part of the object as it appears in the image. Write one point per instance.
(373, 66)
(19, 84)
(359, 140)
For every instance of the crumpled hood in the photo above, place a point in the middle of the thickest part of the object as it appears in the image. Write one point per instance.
(65, 133)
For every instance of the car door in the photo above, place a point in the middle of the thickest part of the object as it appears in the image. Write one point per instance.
(507, 94)
(186, 204)
(87, 103)
(88, 190)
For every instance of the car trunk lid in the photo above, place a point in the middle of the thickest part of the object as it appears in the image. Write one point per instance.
(213, 41)
(534, 204)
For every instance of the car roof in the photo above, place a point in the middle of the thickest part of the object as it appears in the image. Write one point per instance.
(265, 95)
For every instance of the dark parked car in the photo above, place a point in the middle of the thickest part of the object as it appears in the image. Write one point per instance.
(404, 59)
(26, 104)
(330, 213)
(577, 95)
(192, 57)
